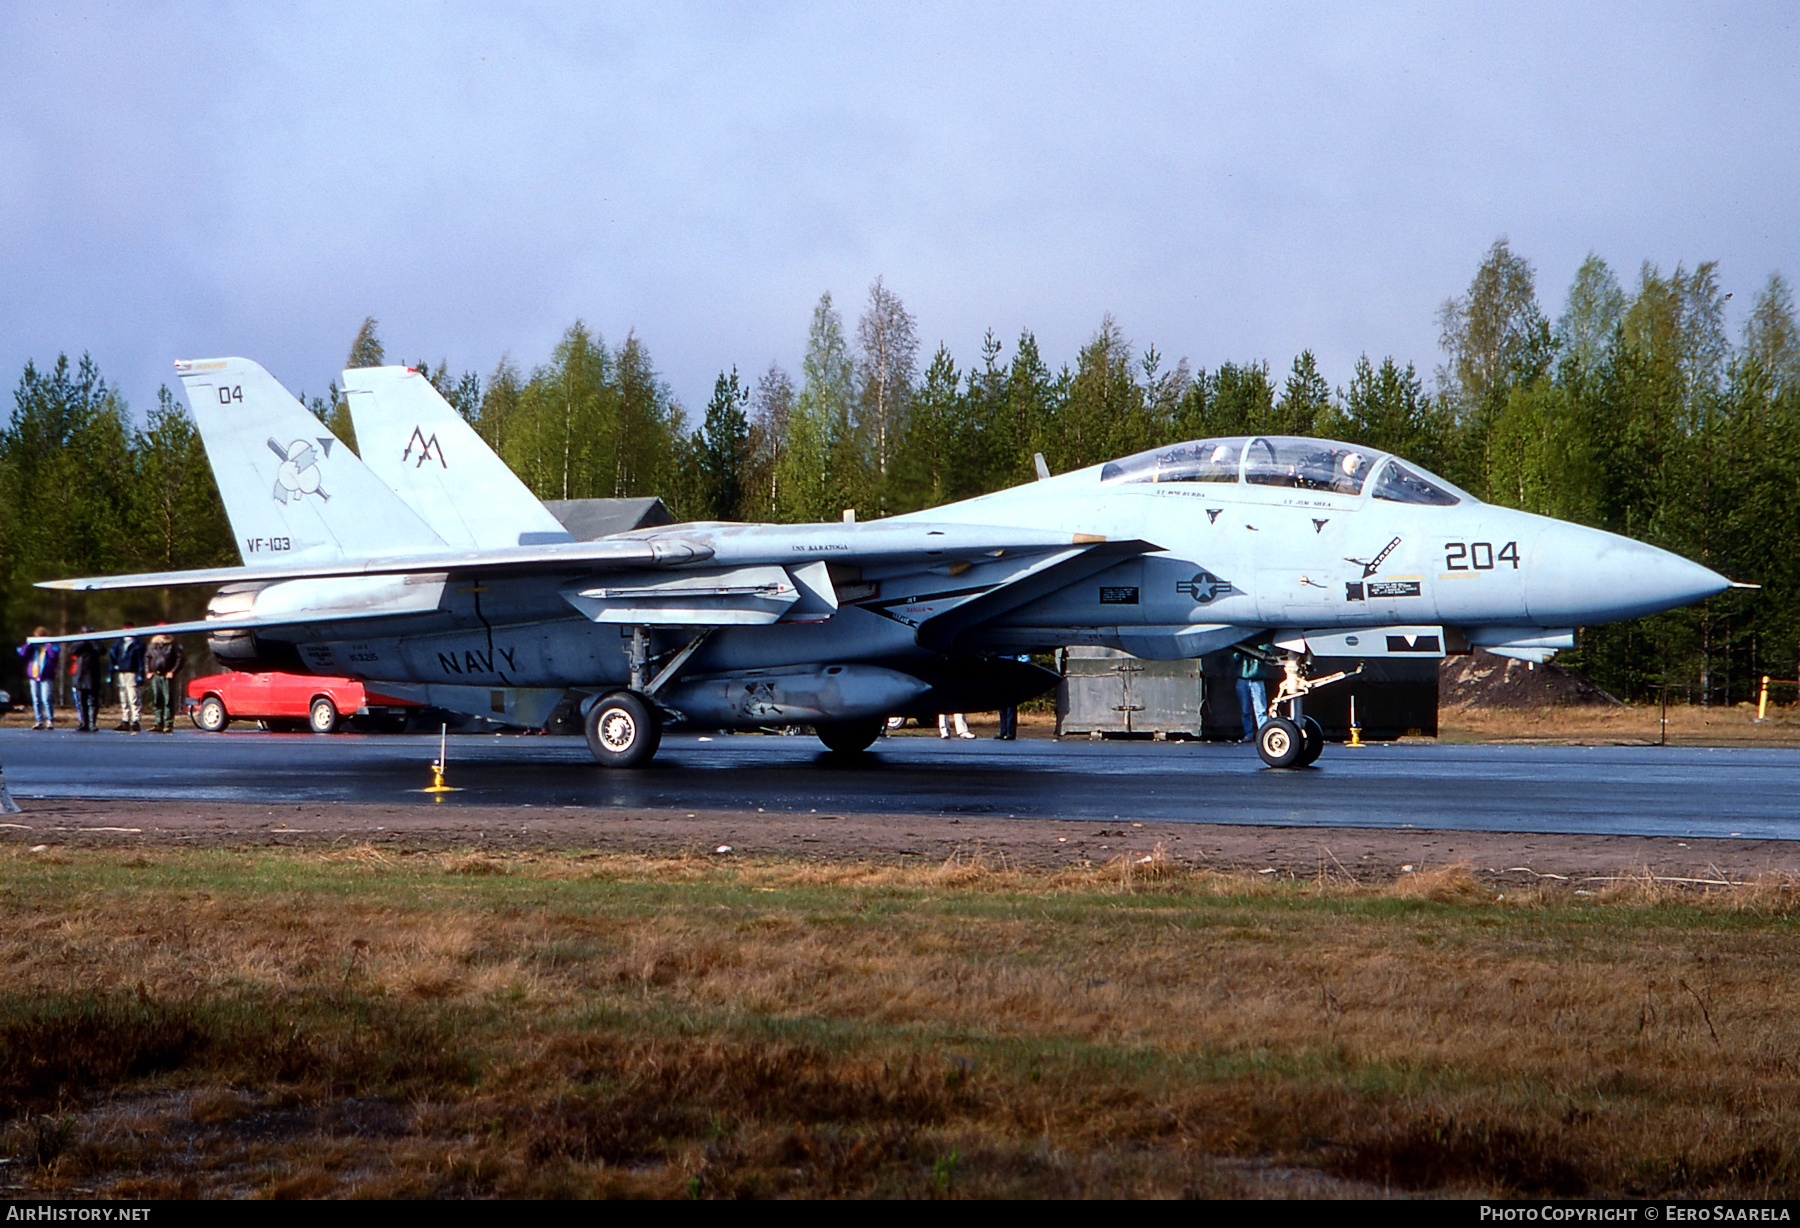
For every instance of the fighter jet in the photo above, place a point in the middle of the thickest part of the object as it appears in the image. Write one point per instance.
(466, 594)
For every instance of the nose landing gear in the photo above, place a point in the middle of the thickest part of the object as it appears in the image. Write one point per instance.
(1294, 740)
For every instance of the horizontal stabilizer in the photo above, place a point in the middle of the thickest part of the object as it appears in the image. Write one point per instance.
(574, 557)
(207, 626)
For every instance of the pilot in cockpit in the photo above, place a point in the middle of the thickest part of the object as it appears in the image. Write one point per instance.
(1353, 470)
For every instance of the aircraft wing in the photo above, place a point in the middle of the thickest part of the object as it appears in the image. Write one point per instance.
(675, 545)
(206, 626)
(939, 579)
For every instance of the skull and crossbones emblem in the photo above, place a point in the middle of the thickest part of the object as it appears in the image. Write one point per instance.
(299, 473)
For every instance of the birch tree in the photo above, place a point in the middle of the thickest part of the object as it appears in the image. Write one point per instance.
(887, 353)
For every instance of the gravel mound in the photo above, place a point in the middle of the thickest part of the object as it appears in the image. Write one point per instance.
(1483, 680)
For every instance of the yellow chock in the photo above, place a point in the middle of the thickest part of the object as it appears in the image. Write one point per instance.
(437, 784)
(1355, 729)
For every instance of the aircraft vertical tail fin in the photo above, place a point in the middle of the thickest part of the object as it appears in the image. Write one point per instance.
(416, 443)
(292, 492)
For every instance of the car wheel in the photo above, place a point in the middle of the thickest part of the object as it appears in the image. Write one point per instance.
(623, 730)
(1312, 742)
(1278, 742)
(850, 737)
(212, 716)
(323, 716)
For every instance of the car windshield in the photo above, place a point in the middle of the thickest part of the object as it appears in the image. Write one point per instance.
(1204, 460)
(1308, 464)
(1399, 484)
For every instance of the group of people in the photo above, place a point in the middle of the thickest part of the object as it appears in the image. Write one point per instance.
(131, 663)
(956, 724)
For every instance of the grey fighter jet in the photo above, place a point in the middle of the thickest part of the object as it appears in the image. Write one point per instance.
(438, 576)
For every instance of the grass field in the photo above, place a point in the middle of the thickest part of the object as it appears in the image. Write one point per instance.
(1688, 725)
(291, 1023)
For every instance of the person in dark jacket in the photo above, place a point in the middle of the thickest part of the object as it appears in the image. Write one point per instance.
(40, 673)
(128, 668)
(162, 661)
(86, 664)
(1252, 695)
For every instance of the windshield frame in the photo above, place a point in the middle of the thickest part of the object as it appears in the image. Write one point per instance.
(1388, 462)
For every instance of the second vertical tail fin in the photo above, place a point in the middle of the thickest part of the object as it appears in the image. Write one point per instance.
(415, 442)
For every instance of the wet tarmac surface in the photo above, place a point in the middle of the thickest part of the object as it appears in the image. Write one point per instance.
(1620, 790)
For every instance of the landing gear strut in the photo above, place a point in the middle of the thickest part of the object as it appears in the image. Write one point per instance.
(625, 727)
(1294, 740)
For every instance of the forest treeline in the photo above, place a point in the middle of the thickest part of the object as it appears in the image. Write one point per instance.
(1631, 410)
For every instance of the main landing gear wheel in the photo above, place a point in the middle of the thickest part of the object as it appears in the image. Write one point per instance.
(850, 737)
(212, 716)
(1312, 742)
(623, 730)
(322, 716)
(1279, 742)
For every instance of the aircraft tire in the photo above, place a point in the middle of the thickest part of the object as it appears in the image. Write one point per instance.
(212, 716)
(322, 716)
(623, 730)
(1279, 742)
(850, 737)
(1312, 742)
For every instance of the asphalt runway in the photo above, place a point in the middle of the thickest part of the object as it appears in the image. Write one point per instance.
(1615, 790)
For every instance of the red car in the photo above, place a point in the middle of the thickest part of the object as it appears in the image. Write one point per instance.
(277, 699)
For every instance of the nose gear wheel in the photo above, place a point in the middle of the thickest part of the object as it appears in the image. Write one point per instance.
(1294, 740)
(1279, 742)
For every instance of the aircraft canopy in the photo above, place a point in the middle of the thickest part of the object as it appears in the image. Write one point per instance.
(1286, 460)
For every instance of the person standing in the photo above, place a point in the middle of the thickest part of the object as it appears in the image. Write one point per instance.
(962, 725)
(40, 674)
(162, 661)
(128, 665)
(84, 677)
(1252, 695)
(1009, 715)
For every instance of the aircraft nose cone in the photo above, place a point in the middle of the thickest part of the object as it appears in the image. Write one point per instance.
(1580, 576)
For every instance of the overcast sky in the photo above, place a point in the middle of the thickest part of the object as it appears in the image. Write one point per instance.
(1231, 183)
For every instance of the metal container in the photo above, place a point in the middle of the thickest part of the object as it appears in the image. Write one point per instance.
(1109, 693)
(1105, 691)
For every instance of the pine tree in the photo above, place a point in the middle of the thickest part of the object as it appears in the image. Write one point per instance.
(721, 448)
(1305, 399)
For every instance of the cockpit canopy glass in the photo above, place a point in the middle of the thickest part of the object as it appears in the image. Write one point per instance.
(1206, 460)
(1290, 461)
(1308, 464)
(1398, 484)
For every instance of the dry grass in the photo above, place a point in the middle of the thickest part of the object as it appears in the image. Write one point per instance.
(1689, 725)
(293, 1024)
